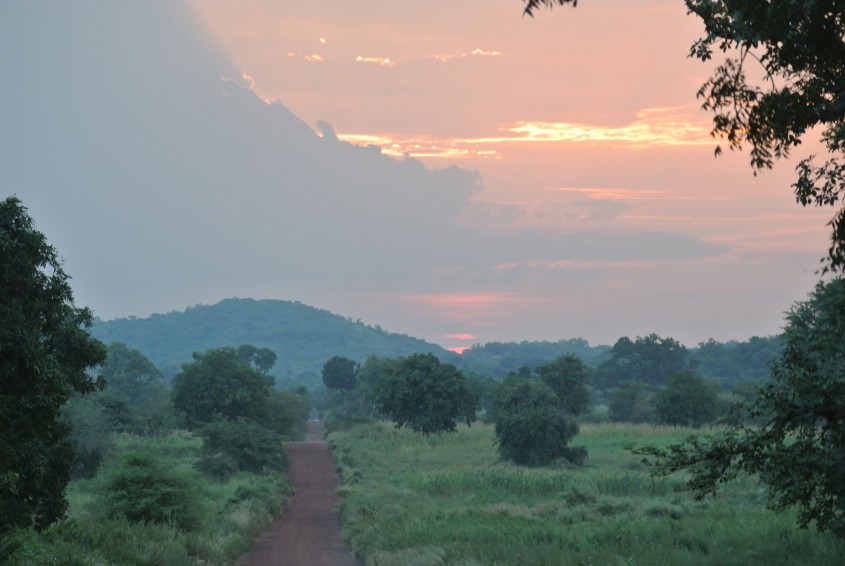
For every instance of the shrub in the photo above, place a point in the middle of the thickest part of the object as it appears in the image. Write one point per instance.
(143, 491)
(531, 427)
(687, 400)
(240, 445)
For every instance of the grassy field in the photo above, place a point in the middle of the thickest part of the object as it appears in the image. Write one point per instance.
(229, 515)
(410, 500)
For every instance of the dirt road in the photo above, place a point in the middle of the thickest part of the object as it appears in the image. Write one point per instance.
(307, 533)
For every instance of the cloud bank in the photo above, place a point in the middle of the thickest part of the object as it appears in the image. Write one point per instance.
(165, 181)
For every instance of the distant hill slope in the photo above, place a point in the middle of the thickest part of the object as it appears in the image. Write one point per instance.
(303, 337)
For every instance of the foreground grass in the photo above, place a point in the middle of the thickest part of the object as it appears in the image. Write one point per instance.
(231, 514)
(410, 500)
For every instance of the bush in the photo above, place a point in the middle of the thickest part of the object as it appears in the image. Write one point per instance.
(531, 428)
(240, 445)
(631, 402)
(687, 400)
(143, 491)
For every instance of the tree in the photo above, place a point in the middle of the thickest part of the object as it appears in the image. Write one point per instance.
(799, 449)
(131, 376)
(567, 377)
(340, 373)
(631, 401)
(262, 358)
(531, 427)
(798, 47)
(45, 350)
(217, 385)
(427, 395)
(649, 359)
(687, 400)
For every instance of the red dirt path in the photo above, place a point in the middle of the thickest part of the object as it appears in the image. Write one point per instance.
(307, 533)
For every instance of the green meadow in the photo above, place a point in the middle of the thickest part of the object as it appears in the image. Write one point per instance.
(448, 499)
(223, 516)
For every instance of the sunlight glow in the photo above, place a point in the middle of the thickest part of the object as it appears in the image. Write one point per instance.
(383, 61)
(475, 52)
(460, 336)
(311, 58)
(653, 127)
(628, 194)
(248, 78)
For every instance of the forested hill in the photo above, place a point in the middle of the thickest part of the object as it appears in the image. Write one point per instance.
(303, 337)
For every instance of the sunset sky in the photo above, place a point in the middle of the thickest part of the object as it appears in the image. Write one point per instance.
(597, 208)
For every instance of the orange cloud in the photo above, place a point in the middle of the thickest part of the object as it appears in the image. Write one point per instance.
(620, 193)
(474, 53)
(460, 336)
(310, 57)
(383, 61)
(652, 127)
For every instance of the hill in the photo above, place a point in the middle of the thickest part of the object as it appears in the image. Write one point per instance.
(303, 337)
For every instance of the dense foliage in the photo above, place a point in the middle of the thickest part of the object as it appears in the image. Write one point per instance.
(426, 395)
(498, 359)
(241, 445)
(532, 426)
(45, 350)
(143, 491)
(340, 373)
(687, 400)
(799, 449)
(648, 359)
(218, 385)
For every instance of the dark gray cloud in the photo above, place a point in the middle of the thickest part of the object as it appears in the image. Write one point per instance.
(165, 181)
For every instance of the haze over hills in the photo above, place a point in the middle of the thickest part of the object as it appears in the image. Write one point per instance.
(302, 337)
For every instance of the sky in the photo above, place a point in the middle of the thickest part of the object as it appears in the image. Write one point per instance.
(454, 171)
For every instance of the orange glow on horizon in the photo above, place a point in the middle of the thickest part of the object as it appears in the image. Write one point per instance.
(458, 349)
(460, 336)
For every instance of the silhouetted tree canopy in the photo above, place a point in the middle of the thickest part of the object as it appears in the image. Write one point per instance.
(45, 350)
(799, 449)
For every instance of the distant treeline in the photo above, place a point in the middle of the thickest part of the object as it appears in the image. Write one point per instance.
(304, 338)
(648, 359)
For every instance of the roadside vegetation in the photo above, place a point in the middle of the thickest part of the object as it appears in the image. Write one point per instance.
(451, 499)
(149, 504)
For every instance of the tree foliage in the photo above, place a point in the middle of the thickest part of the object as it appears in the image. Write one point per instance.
(45, 350)
(799, 450)
(241, 445)
(219, 386)
(649, 359)
(427, 395)
(532, 429)
(131, 376)
(340, 373)
(687, 400)
(567, 377)
(631, 401)
(797, 47)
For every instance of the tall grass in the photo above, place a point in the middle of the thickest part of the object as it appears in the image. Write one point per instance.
(231, 514)
(448, 499)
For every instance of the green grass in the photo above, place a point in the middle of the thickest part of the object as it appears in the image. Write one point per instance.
(232, 514)
(448, 499)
